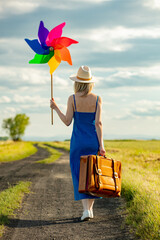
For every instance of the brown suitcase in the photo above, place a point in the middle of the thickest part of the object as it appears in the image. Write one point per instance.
(100, 176)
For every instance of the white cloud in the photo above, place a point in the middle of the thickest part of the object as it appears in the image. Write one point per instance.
(34, 100)
(152, 72)
(92, 1)
(87, 1)
(10, 111)
(36, 79)
(146, 109)
(13, 45)
(117, 94)
(142, 109)
(18, 77)
(123, 33)
(27, 103)
(144, 105)
(19, 103)
(153, 4)
(17, 7)
(5, 99)
(61, 82)
(22, 6)
(115, 39)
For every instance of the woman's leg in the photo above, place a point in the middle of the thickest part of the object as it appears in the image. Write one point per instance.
(87, 208)
(91, 202)
(85, 204)
(86, 213)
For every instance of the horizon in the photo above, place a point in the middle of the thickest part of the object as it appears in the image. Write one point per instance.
(61, 138)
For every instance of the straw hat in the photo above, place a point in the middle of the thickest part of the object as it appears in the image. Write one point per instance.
(83, 75)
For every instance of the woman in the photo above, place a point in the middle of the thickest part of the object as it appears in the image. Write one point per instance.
(87, 139)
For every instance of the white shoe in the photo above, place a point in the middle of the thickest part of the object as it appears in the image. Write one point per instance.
(86, 215)
(91, 213)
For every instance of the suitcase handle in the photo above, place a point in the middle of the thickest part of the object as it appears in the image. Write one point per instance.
(104, 156)
(98, 154)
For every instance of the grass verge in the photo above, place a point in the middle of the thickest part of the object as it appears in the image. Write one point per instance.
(140, 184)
(54, 155)
(11, 199)
(13, 151)
(61, 145)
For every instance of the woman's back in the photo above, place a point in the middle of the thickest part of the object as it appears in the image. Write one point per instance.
(85, 103)
(84, 131)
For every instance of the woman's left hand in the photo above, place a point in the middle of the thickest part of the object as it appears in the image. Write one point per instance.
(53, 104)
(102, 151)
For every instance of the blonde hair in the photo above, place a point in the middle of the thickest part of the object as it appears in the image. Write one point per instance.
(83, 87)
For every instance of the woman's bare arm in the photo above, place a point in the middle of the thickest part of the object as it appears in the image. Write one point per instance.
(66, 118)
(98, 125)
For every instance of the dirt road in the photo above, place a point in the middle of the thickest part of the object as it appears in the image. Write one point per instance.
(50, 212)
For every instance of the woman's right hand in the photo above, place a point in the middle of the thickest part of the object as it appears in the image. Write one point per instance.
(53, 104)
(102, 151)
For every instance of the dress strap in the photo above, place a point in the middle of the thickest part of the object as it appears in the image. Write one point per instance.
(97, 102)
(74, 102)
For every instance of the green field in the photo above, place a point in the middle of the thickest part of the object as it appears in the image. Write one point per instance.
(140, 182)
(12, 151)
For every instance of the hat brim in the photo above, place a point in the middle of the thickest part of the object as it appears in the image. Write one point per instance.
(75, 79)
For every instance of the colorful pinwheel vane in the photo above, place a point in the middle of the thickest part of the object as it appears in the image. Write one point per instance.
(51, 48)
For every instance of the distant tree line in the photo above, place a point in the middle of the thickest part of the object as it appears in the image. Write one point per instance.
(3, 138)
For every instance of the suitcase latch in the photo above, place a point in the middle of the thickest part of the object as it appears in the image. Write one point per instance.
(115, 174)
(99, 171)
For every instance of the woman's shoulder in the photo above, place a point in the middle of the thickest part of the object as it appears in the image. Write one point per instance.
(70, 98)
(91, 96)
(97, 97)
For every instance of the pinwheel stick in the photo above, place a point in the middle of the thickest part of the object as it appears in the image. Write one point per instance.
(51, 98)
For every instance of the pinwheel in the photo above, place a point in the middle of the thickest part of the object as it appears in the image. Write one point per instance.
(51, 48)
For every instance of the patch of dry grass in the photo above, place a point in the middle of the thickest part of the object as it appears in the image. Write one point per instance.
(12, 151)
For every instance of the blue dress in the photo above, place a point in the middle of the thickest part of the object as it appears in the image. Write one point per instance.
(84, 141)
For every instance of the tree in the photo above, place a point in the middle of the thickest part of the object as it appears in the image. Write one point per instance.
(16, 126)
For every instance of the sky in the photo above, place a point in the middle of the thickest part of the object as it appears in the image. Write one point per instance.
(118, 39)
